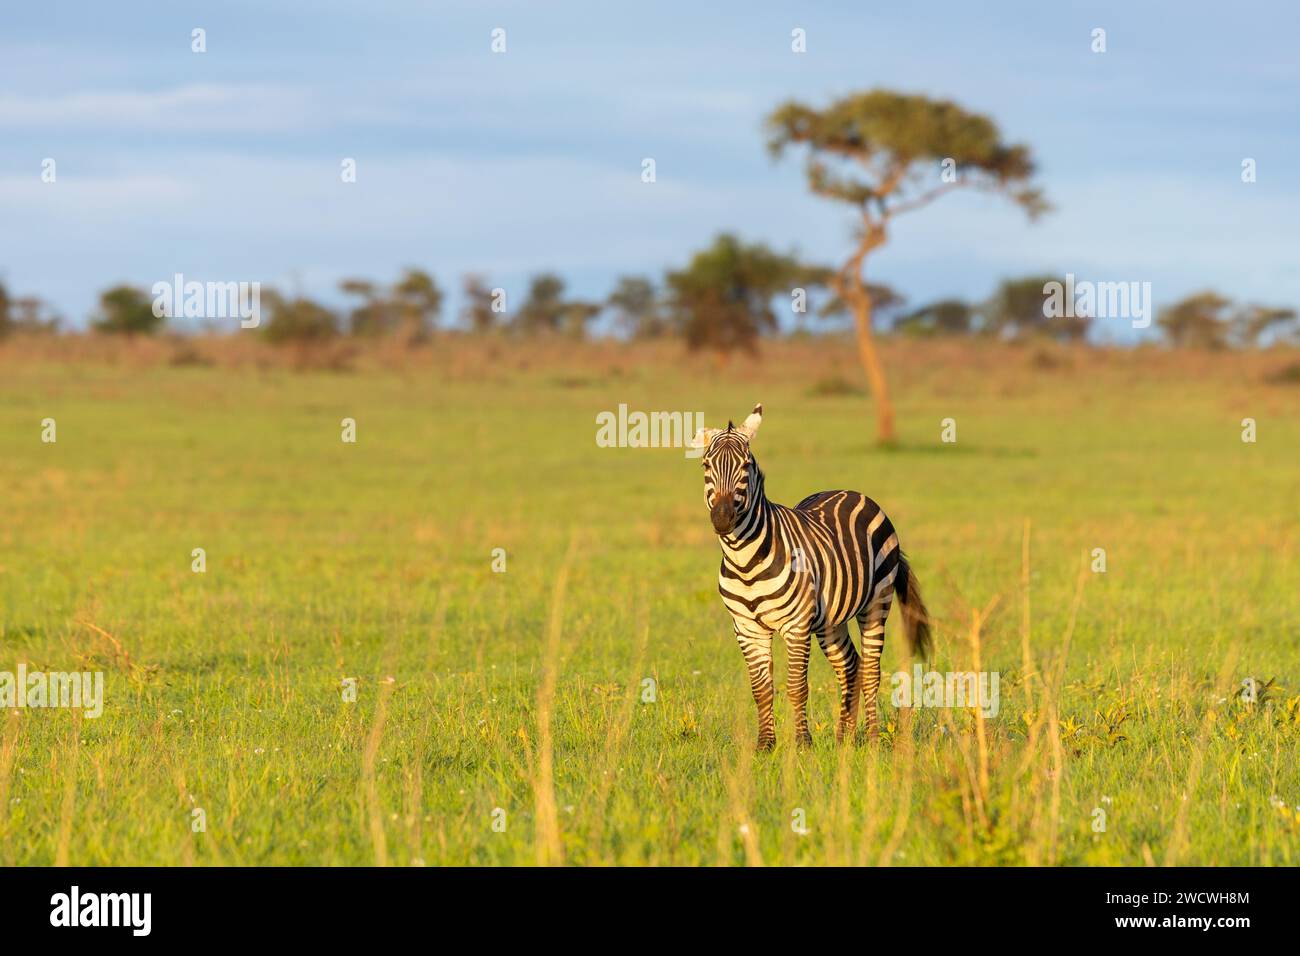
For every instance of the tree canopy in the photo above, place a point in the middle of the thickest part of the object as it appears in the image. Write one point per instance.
(126, 310)
(637, 308)
(722, 300)
(297, 320)
(1017, 309)
(477, 311)
(945, 317)
(410, 307)
(887, 135)
(547, 309)
(1199, 320)
(1253, 323)
(1210, 320)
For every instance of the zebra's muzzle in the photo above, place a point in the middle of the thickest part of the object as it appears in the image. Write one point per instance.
(723, 515)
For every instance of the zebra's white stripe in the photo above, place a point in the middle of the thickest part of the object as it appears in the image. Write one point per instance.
(885, 549)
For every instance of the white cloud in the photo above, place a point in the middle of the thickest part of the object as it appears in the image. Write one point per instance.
(80, 200)
(197, 107)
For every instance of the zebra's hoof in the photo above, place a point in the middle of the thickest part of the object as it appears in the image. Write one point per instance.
(804, 741)
(765, 744)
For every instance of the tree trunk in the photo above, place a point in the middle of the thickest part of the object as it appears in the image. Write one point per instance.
(861, 305)
(852, 289)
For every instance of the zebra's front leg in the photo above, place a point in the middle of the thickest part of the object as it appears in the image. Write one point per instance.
(756, 645)
(798, 643)
(843, 657)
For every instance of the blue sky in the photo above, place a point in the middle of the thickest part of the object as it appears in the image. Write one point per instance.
(225, 165)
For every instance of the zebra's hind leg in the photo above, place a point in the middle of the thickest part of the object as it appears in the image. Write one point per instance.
(843, 657)
(798, 642)
(756, 645)
(871, 623)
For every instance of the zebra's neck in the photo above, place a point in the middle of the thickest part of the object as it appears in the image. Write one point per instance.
(754, 523)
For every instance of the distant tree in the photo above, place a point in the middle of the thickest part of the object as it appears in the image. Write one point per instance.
(722, 300)
(1201, 320)
(1252, 324)
(410, 307)
(297, 320)
(945, 317)
(477, 311)
(125, 310)
(25, 314)
(637, 308)
(418, 301)
(544, 308)
(886, 303)
(372, 317)
(1018, 309)
(32, 315)
(577, 315)
(912, 149)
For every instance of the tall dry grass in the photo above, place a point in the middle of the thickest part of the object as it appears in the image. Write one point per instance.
(935, 364)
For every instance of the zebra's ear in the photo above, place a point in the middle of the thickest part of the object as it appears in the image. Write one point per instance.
(703, 437)
(750, 425)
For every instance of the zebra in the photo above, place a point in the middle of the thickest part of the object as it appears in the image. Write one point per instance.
(802, 571)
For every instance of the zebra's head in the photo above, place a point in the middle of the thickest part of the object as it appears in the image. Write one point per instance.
(730, 482)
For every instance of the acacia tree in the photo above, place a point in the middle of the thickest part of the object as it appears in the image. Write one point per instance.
(1209, 320)
(945, 317)
(1202, 320)
(547, 309)
(543, 309)
(297, 320)
(1253, 323)
(478, 312)
(371, 316)
(410, 307)
(637, 308)
(722, 300)
(126, 310)
(888, 153)
(30, 314)
(1017, 309)
(418, 301)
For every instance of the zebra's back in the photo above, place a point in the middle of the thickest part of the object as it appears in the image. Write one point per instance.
(843, 539)
(858, 563)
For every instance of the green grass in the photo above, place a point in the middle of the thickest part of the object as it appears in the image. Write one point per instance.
(373, 561)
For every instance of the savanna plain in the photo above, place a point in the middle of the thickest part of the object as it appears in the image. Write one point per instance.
(577, 696)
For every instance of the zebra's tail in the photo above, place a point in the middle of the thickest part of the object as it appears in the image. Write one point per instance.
(916, 619)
